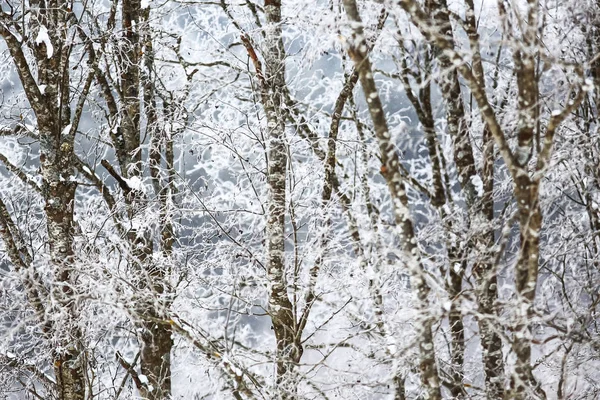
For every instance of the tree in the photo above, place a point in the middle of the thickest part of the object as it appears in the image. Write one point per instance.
(373, 199)
(56, 123)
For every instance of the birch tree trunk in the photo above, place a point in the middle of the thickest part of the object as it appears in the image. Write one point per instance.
(135, 84)
(280, 306)
(480, 209)
(395, 181)
(51, 22)
(526, 185)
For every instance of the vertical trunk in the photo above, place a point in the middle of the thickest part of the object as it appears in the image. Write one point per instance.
(527, 84)
(487, 287)
(130, 88)
(426, 117)
(457, 265)
(465, 163)
(58, 190)
(422, 105)
(399, 392)
(59, 195)
(155, 357)
(530, 222)
(526, 195)
(483, 210)
(455, 112)
(484, 269)
(391, 173)
(280, 305)
(155, 338)
(69, 376)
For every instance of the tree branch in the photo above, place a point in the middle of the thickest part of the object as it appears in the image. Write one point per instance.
(20, 174)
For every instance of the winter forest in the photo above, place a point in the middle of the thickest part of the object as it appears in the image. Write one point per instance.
(299, 199)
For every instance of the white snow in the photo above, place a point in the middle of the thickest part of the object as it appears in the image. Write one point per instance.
(391, 345)
(143, 379)
(87, 170)
(67, 129)
(42, 89)
(145, 4)
(447, 305)
(136, 183)
(477, 184)
(42, 37)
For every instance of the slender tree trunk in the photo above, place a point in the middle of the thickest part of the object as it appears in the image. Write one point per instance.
(280, 306)
(391, 173)
(455, 320)
(439, 200)
(530, 222)
(485, 275)
(137, 75)
(464, 160)
(53, 112)
(482, 208)
(157, 343)
(59, 194)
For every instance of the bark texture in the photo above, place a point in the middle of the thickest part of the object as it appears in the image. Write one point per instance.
(56, 135)
(289, 350)
(137, 93)
(391, 173)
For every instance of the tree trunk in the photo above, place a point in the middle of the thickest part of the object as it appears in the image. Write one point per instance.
(530, 222)
(56, 135)
(155, 338)
(391, 173)
(463, 157)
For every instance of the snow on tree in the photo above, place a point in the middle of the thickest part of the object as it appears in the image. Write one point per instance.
(375, 199)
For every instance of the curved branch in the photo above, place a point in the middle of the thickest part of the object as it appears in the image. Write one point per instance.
(20, 174)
